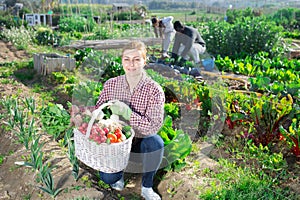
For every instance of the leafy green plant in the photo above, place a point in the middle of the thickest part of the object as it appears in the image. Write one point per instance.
(172, 109)
(286, 17)
(81, 55)
(20, 37)
(267, 114)
(30, 103)
(112, 69)
(1, 159)
(234, 14)
(76, 23)
(87, 93)
(20, 121)
(100, 33)
(262, 115)
(47, 180)
(292, 34)
(46, 36)
(36, 155)
(99, 66)
(276, 76)
(71, 153)
(231, 181)
(267, 159)
(177, 145)
(55, 119)
(6, 20)
(59, 77)
(86, 181)
(203, 95)
(65, 81)
(247, 36)
(292, 136)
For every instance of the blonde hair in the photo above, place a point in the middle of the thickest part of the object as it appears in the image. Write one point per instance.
(138, 45)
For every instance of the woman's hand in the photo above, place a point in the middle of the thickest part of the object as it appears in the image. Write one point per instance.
(120, 108)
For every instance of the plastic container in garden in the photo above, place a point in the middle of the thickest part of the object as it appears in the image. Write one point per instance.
(103, 157)
(208, 63)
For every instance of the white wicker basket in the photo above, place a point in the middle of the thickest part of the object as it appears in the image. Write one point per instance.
(103, 157)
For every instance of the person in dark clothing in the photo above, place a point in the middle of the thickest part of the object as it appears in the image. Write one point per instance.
(188, 43)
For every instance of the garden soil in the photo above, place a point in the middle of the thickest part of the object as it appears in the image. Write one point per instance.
(19, 182)
(8, 53)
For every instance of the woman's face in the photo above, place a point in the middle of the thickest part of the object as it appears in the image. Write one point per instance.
(133, 62)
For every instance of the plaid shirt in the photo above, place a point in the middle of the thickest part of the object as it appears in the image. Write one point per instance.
(146, 102)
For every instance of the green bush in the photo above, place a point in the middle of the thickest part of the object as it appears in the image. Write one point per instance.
(67, 37)
(289, 18)
(100, 33)
(21, 37)
(235, 14)
(46, 36)
(76, 23)
(247, 36)
(7, 20)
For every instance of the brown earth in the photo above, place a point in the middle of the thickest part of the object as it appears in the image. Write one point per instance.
(8, 53)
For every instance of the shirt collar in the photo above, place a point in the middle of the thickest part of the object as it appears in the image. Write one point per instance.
(143, 80)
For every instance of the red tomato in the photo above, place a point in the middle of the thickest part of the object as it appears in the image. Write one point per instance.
(118, 133)
(112, 137)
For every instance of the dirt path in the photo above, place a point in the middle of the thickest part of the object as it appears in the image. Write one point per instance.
(9, 53)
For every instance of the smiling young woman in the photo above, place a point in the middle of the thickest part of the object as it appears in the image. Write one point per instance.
(140, 101)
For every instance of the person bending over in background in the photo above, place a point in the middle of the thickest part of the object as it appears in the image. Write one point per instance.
(188, 43)
(140, 101)
(165, 25)
(158, 27)
(169, 33)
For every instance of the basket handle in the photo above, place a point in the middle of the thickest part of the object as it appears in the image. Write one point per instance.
(96, 113)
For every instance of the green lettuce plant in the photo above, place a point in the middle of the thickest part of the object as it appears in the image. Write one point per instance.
(55, 119)
(178, 145)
